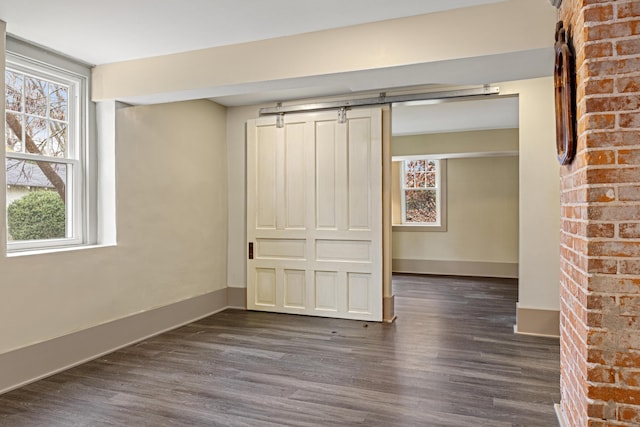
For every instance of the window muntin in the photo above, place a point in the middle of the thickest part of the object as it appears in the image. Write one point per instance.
(421, 192)
(43, 146)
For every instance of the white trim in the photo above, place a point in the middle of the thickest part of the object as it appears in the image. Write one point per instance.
(441, 199)
(533, 334)
(418, 227)
(41, 158)
(103, 174)
(436, 188)
(537, 322)
(237, 298)
(561, 418)
(81, 214)
(57, 249)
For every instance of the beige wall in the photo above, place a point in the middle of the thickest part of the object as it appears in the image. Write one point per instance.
(482, 215)
(171, 217)
(490, 141)
(482, 200)
(539, 228)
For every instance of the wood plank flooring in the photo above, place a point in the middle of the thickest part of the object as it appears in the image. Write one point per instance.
(450, 359)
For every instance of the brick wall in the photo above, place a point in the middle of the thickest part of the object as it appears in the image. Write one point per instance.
(600, 236)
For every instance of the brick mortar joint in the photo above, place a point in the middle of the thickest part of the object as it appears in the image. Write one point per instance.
(613, 203)
(600, 95)
(615, 19)
(562, 245)
(616, 166)
(574, 236)
(615, 240)
(615, 222)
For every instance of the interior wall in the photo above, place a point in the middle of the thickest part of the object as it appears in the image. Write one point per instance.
(539, 188)
(479, 141)
(482, 216)
(539, 203)
(171, 216)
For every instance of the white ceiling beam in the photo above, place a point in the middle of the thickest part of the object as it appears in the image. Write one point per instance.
(497, 29)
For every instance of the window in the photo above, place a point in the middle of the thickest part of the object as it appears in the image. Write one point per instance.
(45, 144)
(421, 195)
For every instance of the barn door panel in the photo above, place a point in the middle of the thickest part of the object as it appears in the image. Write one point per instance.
(314, 215)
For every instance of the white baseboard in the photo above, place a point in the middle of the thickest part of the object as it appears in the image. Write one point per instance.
(532, 321)
(456, 268)
(34, 362)
(237, 298)
(561, 419)
(388, 309)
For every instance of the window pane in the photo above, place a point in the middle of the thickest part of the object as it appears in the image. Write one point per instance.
(49, 137)
(36, 202)
(57, 144)
(431, 179)
(58, 97)
(36, 129)
(14, 139)
(415, 165)
(420, 206)
(13, 91)
(410, 181)
(44, 201)
(35, 92)
(420, 173)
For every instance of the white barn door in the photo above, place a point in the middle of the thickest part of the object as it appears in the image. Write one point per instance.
(314, 215)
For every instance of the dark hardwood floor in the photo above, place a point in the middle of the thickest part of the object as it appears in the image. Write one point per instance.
(450, 359)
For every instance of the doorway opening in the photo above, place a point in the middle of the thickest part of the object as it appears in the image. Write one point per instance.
(458, 161)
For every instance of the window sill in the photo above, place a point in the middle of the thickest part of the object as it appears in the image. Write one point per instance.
(418, 227)
(30, 252)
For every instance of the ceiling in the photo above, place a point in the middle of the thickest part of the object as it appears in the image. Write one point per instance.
(99, 32)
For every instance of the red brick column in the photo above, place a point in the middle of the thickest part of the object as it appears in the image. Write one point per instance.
(600, 236)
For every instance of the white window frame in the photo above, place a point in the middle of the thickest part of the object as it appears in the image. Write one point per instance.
(441, 201)
(77, 157)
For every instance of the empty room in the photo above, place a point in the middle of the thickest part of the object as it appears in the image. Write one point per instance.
(245, 213)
